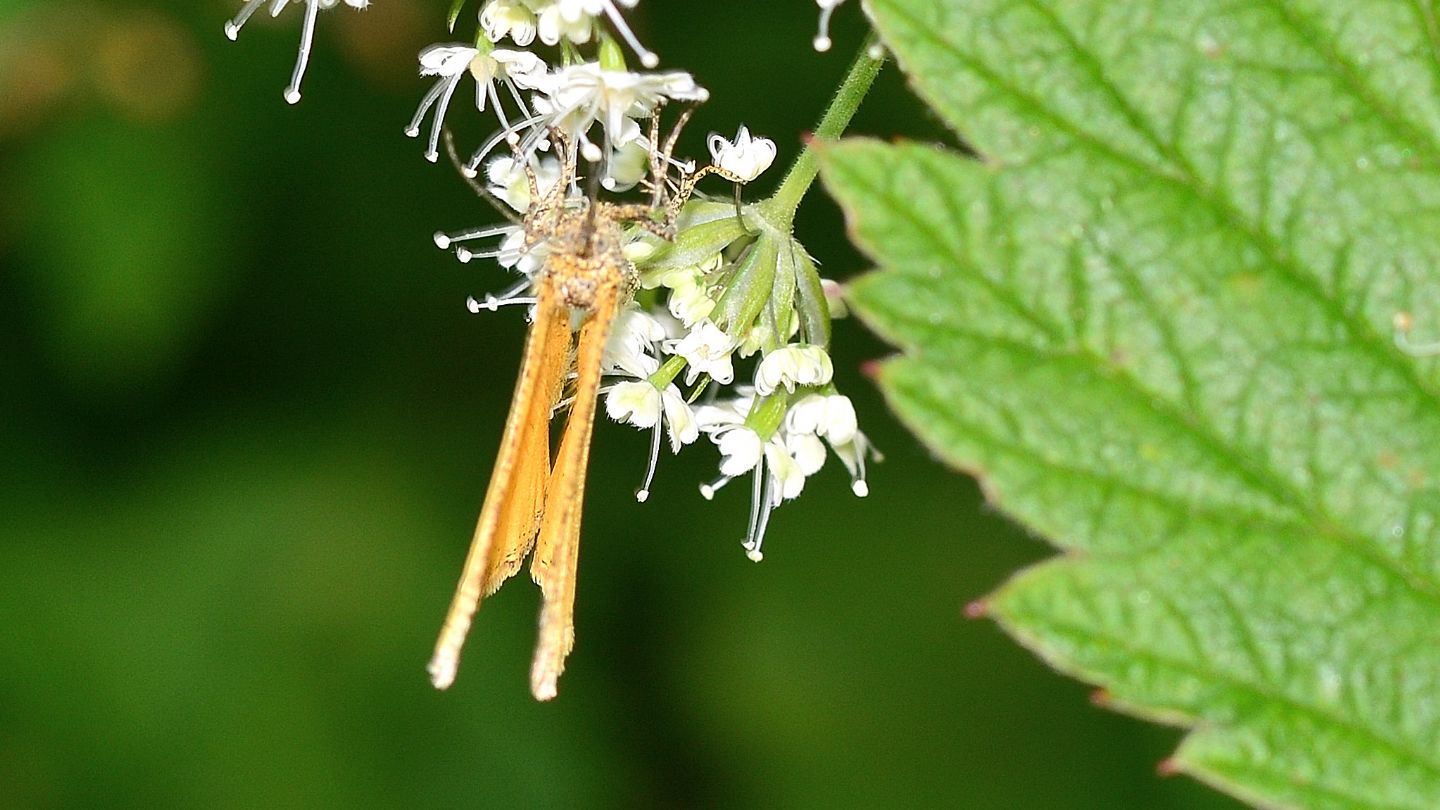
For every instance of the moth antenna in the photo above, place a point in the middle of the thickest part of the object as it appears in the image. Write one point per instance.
(475, 185)
(668, 154)
(658, 169)
(687, 189)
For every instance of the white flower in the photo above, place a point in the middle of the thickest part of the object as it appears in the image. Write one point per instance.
(788, 478)
(500, 18)
(575, 19)
(513, 255)
(627, 166)
(755, 339)
(631, 345)
(822, 38)
(716, 416)
(788, 459)
(680, 421)
(740, 448)
(506, 179)
(554, 25)
(707, 351)
(746, 158)
(515, 69)
(637, 403)
(307, 32)
(689, 301)
(789, 366)
(831, 416)
(577, 96)
(807, 450)
(640, 401)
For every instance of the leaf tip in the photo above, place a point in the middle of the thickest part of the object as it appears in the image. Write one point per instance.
(978, 609)
(871, 369)
(1168, 767)
(1101, 698)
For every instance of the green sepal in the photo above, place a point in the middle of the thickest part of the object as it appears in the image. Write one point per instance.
(782, 299)
(705, 380)
(810, 302)
(611, 56)
(705, 229)
(749, 290)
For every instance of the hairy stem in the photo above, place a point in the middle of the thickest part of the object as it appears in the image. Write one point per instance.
(837, 117)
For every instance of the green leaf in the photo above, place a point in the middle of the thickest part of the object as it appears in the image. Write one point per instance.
(1154, 320)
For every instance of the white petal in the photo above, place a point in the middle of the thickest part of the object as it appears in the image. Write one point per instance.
(741, 448)
(637, 403)
(808, 452)
(446, 60)
(679, 419)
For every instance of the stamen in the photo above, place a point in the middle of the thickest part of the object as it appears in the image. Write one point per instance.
(647, 57)
(643, 494)
(307, 39)
(857, 481)
(822, 39)
(608, 158)
(472, 169)
(432, 152)
(757, 492)
(707, 491)
(443, 240)
(488, 90)
(589, 150)
(465, 255)
(413, 128)
(493, 304)
(519, 101)
(232, 28)
(757, 533)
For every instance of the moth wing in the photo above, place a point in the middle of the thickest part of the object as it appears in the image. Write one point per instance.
(515, 497)
(557, 550)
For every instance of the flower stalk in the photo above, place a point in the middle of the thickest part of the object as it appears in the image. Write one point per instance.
(781, 207)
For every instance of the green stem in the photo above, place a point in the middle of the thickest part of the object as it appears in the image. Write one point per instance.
(801, 176)
(666, 374)
(766, 414)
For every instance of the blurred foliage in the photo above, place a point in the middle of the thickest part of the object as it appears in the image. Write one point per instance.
(246, 422)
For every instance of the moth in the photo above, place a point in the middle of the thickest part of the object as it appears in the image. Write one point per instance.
(534, 501)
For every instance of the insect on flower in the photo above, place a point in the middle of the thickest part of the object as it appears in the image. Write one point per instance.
(534, 503)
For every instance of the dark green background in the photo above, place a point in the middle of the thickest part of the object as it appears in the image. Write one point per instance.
(246, 421)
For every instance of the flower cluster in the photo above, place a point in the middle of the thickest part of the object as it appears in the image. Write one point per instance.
(728, 291)
(725, 334)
